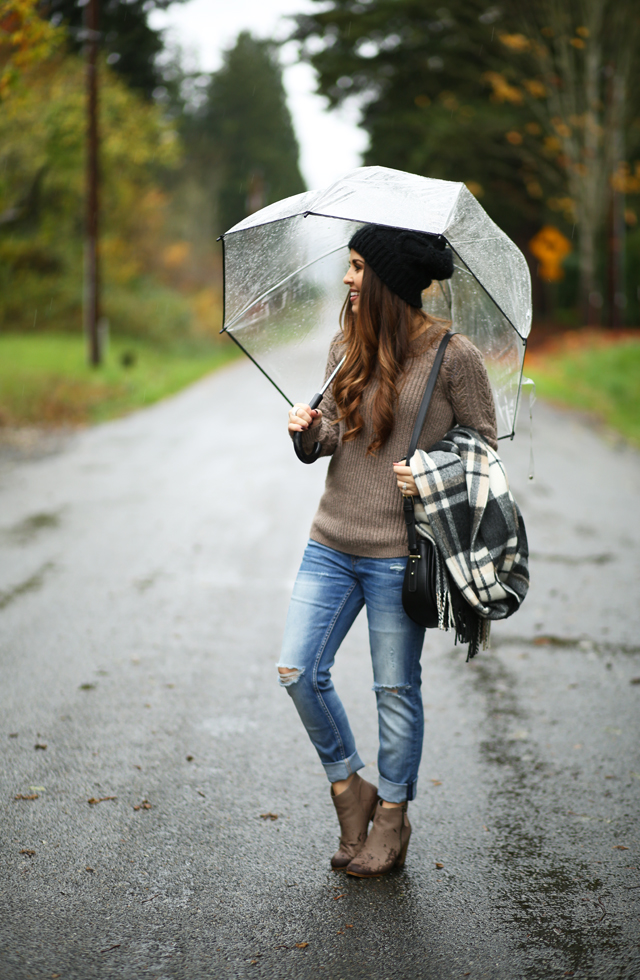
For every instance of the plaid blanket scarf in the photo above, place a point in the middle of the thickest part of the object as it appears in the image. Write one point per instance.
(469, 512)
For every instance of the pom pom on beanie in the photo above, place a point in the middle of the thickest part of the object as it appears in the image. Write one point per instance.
(406, 261)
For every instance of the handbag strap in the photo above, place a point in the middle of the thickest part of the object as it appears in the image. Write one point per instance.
(426, 398)
(409, 514)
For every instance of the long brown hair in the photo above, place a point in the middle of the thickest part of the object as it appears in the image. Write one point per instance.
(378, 342)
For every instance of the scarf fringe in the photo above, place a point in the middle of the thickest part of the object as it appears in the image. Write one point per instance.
(481, 638)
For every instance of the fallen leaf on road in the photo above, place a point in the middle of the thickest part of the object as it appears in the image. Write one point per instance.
(145, 805)
(200, 793)
(37, 789)
(54, 976)
(39, 746)
(519, 736)
(13, 734)
(336, 897)
(27, 851)
(439, 864)
(252, 962)
(89, 869)
(268, 816)
(189, 758)
(26, 796)
(340, 932)
(620, 847)
(87, 687)
(634, 680)
(347, 926)
(93, 800)
(437, 782)
(301, 945)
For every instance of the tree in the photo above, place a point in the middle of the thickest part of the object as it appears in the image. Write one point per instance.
(418, 69)
(130, 46)
(526, 102)
(244, 131)
(42, 130)
(25, 40)
(583, 59)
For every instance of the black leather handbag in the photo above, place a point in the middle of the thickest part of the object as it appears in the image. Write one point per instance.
(419, 594)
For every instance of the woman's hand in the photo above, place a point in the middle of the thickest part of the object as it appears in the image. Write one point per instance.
(301, 417)
(404, 477)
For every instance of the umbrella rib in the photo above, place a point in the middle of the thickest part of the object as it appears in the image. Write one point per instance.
(468, 269)
(261, 369)
(259, 299)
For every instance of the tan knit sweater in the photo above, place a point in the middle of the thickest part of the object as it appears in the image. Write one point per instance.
(360, 512)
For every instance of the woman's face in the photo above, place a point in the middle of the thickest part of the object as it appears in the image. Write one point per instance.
(353, 278)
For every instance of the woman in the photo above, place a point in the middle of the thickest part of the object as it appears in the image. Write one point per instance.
(358, 546)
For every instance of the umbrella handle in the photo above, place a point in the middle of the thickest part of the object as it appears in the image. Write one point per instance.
(297, 438)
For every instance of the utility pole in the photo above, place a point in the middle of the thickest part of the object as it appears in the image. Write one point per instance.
(616, 230)
(91, 310)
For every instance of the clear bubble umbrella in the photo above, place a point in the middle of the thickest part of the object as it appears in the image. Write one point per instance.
(283, 269)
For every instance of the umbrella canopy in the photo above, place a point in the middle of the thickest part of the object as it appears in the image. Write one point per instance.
(283, 269)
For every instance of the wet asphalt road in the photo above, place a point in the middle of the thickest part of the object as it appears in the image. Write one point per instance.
(144, 579)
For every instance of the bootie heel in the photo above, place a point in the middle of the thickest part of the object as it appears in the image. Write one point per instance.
(405, 847)
(386, 846)
(355, 807)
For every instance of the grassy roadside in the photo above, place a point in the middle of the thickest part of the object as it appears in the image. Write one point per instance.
(596, 371)
(44, 378)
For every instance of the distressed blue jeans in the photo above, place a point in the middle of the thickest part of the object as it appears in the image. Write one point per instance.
(329, 592)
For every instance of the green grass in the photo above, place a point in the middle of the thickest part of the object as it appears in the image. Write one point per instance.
(596, 373)
(45, 380)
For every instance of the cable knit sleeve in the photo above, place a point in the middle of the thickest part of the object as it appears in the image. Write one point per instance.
(469, 389)
(327, 433)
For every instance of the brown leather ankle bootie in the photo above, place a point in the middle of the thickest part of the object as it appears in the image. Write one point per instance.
(354, 806)
(386, 845)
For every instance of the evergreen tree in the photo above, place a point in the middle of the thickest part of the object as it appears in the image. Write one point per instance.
(421, 69)
(534, 103)
(246, 131)
(129, 44)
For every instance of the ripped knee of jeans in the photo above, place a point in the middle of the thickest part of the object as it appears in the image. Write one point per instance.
(289, 675)
(398, 689)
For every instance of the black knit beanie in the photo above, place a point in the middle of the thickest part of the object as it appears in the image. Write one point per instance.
(406, 261)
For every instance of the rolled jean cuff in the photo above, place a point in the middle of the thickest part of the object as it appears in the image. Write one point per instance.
(396, 792)
(342, 770)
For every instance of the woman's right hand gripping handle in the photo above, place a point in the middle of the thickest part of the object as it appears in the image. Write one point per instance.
(302, 417)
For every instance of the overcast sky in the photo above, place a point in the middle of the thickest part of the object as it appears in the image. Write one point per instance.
(330, 142)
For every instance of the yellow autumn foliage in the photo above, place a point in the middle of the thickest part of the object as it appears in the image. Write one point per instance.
(503, 91)
(25, 40)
